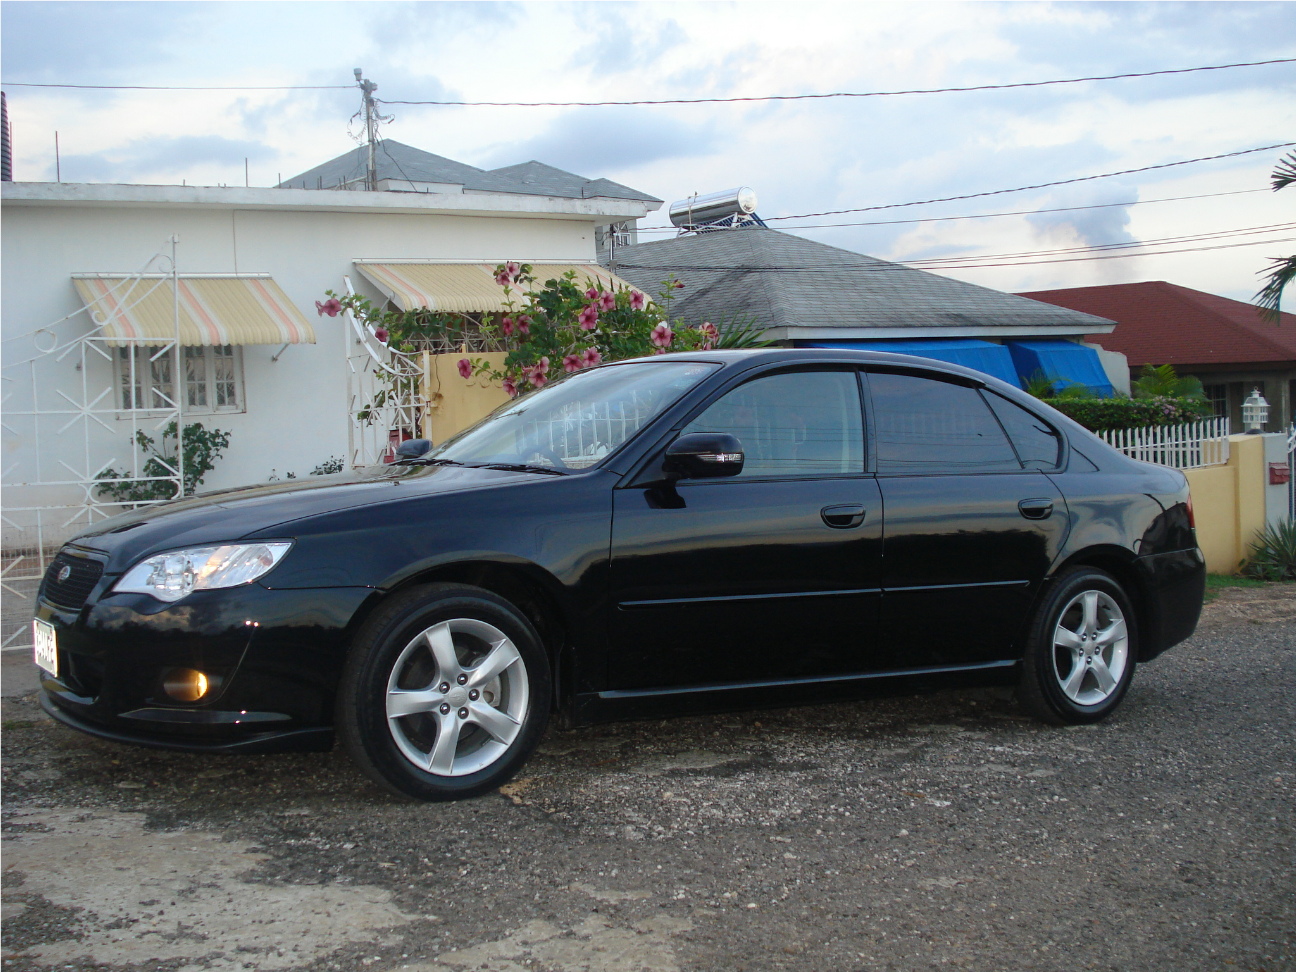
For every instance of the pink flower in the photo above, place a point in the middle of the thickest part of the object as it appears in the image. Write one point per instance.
(678, 285)
(506, 274)
(512, 269)
(510, 388)
(539, 380)
(591, 357)
(662, 335)
(543, 367)
(572, 363)
(592, 294)
(711, 333)
(332, 307)
(638, 300)
(606, 301)
(660, 351)
(506, 325)
(382, 334)
(589, 318)
(524, 324)
(465, 368)
(502, 278)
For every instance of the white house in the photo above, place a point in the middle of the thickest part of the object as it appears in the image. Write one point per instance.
(94, 331)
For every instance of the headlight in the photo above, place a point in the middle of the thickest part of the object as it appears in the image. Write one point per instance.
(170, 576)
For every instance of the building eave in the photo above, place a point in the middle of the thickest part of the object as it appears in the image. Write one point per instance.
(1006, 332)
(109, 195)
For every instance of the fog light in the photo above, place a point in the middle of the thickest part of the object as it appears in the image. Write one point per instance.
(185, 684)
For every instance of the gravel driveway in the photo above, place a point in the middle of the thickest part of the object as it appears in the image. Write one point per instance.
(932, 832)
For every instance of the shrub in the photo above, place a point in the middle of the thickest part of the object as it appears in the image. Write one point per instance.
(1273, 554)
(1110, 414)
(202, 447)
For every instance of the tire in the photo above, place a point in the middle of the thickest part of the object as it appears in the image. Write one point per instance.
(445, 693)
(1080, 651)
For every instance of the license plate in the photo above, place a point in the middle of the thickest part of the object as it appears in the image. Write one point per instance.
(46, 642)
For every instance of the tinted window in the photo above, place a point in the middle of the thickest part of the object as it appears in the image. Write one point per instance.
(923, 425)
(805, 423)
(1038, 446)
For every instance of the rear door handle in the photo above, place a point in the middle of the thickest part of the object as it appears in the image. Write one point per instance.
(843, 517)
(1036, 509)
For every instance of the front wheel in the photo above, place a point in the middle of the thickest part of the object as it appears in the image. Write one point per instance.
(1081, 650)
(445, 693)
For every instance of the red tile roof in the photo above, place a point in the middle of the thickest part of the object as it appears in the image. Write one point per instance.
(1163, 323)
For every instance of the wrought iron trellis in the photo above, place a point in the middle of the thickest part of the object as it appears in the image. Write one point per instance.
(385, 402)
(69, 416)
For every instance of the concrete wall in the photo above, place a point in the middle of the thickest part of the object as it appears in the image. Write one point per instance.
(1233, 503)
(455, 402)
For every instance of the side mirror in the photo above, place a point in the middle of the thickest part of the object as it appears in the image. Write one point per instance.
(704, 455)
(412, 449)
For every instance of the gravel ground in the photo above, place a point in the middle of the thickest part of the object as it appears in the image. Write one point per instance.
(932, 832)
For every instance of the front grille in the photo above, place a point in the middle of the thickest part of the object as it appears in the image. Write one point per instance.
(71, 591)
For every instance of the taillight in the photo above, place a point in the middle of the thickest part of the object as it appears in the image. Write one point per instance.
(1192, 520)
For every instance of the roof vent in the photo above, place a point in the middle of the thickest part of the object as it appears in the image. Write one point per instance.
(717, 210)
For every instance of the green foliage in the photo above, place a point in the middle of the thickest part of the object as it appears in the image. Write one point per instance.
(560, 325)
(202, 447)
(1160, 381)
(1051, 387)
(329, 466)
(1281, 270)
(1273, 554)
(1110, 414)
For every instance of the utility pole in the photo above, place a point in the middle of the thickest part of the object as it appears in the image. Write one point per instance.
(367, 89)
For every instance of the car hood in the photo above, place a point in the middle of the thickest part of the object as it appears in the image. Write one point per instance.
(231, 514)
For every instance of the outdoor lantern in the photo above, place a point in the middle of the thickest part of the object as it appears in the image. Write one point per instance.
(1255, 412)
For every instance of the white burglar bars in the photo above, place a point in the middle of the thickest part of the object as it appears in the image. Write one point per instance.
(1187, 446)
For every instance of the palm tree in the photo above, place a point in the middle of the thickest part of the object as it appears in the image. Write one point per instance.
(1283, 269)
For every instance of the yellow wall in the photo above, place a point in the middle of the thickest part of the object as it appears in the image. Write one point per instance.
(1229, 504)
(456, 403)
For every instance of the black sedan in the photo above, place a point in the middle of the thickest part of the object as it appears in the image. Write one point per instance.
(675, 534)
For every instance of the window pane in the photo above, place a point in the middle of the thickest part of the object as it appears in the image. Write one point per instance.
(924, 425)
(794, 424)
(160, 368)
(1038, 446)
(196, 377)
(132, 392)
(224, 377)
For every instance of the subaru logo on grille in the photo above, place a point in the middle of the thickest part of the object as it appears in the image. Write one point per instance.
(64, 573)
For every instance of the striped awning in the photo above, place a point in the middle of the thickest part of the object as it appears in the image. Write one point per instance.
(468, 288)
(214, 310)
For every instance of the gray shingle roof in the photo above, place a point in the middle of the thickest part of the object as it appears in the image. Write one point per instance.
(399, 163)
(787, 281)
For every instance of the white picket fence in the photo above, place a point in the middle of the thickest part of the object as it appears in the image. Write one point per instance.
(1187, 446)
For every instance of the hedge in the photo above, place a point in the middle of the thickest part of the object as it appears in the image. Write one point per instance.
(1110, 414)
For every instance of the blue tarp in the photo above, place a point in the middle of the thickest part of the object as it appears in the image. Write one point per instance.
(1066, 362)
(992, 359)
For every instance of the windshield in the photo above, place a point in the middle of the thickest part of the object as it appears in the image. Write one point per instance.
(574, 423)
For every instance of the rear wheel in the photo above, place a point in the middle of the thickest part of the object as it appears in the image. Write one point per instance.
(1081, 650)
(445, 693)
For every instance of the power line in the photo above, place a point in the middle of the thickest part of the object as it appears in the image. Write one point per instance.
(834, 94)
(1041, 185)
(1028, 258)
(1019, 212)
(175, 87)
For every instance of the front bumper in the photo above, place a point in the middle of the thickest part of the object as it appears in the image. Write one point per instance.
(273, 659)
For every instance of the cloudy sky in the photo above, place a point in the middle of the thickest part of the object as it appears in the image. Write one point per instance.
(801, 157)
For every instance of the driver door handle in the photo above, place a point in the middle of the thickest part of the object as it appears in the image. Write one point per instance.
(1036, 509)
(843, 517)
